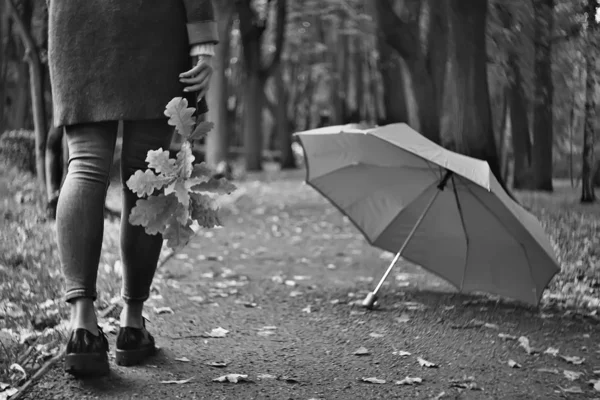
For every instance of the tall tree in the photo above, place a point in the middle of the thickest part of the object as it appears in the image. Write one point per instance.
(587, 184)
(36, 72)
(543, 123)
(471, 128)
(253, 26)
(217, 142)
(425, 55)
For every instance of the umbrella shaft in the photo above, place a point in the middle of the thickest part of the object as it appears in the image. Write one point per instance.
(407, 240)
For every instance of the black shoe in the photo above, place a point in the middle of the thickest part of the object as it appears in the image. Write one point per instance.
(134, 345)
(87, 354)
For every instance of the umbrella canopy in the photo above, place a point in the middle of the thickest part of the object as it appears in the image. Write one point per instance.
(471, 233)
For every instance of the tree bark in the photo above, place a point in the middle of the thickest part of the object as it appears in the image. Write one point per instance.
(471, 128)
(403, 35)
(544, 92)
(37, 91)
(394, 90)
(217, 141)
(587, 184)
(282, 123)
(252, 29)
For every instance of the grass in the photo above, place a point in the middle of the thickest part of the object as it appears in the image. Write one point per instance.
(31, 284)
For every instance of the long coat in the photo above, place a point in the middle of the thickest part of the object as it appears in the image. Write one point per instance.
(121, 59)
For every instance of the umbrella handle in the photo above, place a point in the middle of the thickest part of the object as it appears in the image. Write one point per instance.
(371, 298)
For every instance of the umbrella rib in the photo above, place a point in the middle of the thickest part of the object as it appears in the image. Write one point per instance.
(521, 244)
(464, 226)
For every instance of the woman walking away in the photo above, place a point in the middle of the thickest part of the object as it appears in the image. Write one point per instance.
(114, 60)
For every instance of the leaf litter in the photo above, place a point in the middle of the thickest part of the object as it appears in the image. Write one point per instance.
(373, 380)
(427, 364)
(409, 381)
(232, 378)
(216, 333)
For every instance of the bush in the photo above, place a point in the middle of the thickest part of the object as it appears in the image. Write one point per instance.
(17, 148)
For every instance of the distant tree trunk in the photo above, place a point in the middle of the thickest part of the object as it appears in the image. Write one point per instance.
(3, 62)
(521, 139)
(37, 92)
(544, 92)
(394, 90)
(471, 126)
(217, 141)
(587, 185)
(252, 29)
(282, 123)
(359, 78)
(424, 60)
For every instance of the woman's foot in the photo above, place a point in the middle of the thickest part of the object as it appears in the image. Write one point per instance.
(134, 345)
(87, 354)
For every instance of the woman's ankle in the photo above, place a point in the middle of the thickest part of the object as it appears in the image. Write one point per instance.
(83, 315)
(131, 315)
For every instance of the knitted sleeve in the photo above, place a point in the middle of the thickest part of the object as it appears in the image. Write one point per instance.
(201, 25)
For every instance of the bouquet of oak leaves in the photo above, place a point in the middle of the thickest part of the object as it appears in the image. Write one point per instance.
(186, 192)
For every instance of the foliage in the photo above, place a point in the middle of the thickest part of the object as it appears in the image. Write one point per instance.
(187, 192)
(17, 148)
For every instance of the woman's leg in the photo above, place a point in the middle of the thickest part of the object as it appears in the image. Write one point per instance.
(80, 215)
(139, 251)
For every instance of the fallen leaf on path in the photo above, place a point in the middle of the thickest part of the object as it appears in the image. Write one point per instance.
(424, 363)
(505, 336)
(362, 351)
(595, 383)
(287, 379)
(163, 310)
(513, 364)
(175, 382)
(572, 375)
(572, 389)
(524, 343)
(491, 326)
(414, 306)
(17, 369)
(217, 333)
(573, 360)
(373, 380)
(439, 396)
(551, 351)
(183, 359)
(217, 364)
(404, 318)
(8, 392)
(306, 309)
(549, 370)
(290, 283)
(301, 277)
(467, 382)
(401, 353)
(409, 381)
(376, 335)
(232, 378)
(198, 299)
(295, 293)
(266, 376)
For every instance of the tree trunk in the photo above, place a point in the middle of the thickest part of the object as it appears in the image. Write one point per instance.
(394, 90)
(37, 92)
(253, 106)
(282, 123)
(359, 78)
(521, 140)
(471, 128)
(587, 185)
(217, 141)
(544, 92)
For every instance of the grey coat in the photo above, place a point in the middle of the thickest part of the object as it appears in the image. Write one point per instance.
(121, 59)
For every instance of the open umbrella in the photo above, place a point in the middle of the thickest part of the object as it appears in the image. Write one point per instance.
(436, 208)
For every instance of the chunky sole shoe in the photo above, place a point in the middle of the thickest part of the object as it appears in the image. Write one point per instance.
(134, 346)
(87, 354)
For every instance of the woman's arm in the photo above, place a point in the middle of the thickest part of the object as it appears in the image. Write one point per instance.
(201, 25)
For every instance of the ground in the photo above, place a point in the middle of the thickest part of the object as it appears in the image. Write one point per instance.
(282, 277)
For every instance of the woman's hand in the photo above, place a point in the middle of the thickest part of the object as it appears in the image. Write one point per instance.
(198, 78)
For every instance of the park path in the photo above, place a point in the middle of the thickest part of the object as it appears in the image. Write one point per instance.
(281, 278)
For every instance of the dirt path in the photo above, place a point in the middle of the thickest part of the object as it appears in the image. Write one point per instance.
(292, 263)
